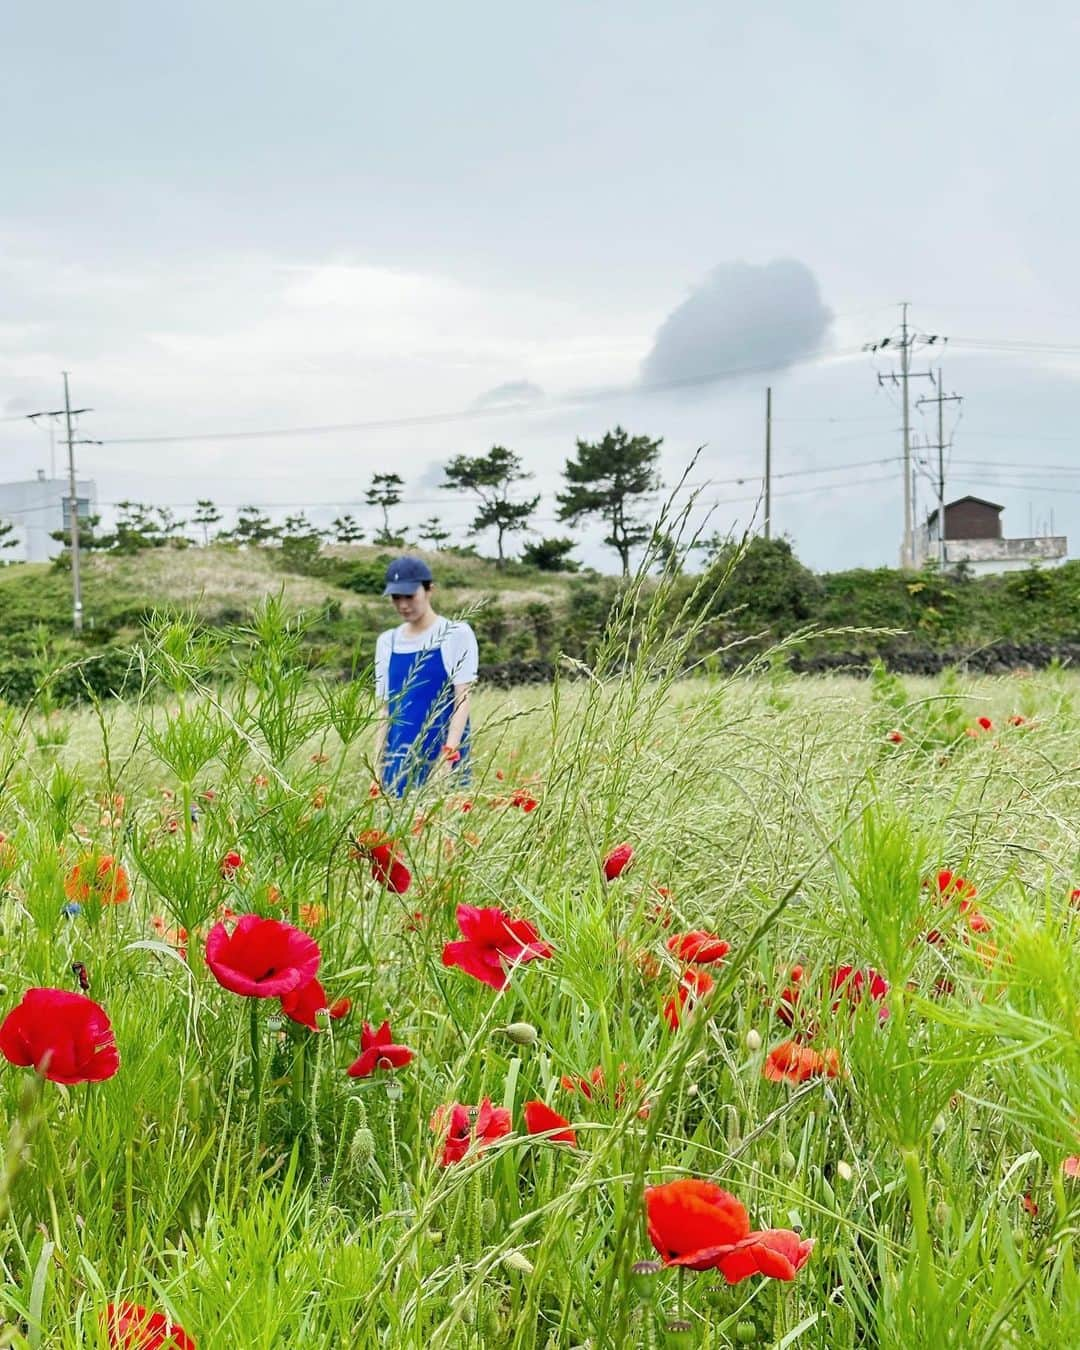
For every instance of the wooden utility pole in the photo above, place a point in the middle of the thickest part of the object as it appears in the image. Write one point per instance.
(768, 462)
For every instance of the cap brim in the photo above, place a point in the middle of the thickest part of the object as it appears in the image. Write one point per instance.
(402, 587)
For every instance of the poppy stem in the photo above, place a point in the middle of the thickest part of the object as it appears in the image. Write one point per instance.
(682, 1292)
(256, 1052)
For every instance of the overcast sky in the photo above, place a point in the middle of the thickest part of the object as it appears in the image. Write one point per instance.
(238, 217)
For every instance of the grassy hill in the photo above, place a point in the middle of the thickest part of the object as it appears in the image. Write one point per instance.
(339, 592)
(915, 621)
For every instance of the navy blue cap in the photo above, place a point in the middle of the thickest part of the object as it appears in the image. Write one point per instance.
(404, 576)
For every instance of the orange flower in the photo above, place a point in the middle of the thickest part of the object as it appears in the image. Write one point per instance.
(794, 1063)
(99, 877)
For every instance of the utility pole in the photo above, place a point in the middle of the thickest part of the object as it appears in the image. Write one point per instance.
(73, 504)
(768, 462)
(906, 344)
(68, 412)
(941, 399)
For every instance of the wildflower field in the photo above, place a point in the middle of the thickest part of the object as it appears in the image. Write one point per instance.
(716, 1011)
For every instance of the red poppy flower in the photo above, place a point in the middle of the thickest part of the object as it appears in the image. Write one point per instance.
(695, 1224)
(985, 723)
(850, 984)
(794, 1063)
(131, 1327)
(1016, 720)
(67, 1038)
(386, 865)
(261, 958)
(301, 1005)
(1071, 1166)
(951, 886)
(452, 1124)
(492, 938)
(617, 861)
(896, 737)
(776, 1252)
(100, 878)
(694, 985)
(378, 1051)
(789, 999)
(595, 1086)
(691, 1222)
(1074, 896)
(524, 799)
(977, 921)
(231, 864)
(698, 948)
(540, 1119)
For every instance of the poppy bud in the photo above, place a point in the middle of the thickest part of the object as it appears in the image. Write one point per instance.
(515, 1260)
(322, 1018)
(753, 1041)
(942, 1213)
(843, 1170)
(522, 1033)
(692, 1090)
(489, 1215)
(940, 1124)
(787, 1161)
(361, 1149)
(434, 1236)
(393, 1089)
(746, 1333)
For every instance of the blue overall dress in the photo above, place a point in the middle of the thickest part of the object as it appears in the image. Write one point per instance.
(420, 698)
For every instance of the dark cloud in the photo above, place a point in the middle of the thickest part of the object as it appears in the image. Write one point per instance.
(514, 391)
(741, 317)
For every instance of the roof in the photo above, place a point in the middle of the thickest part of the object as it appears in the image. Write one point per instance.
(981, 501)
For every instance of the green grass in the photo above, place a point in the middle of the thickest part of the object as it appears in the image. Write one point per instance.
(313, 1212)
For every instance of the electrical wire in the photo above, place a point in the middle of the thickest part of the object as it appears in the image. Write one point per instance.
(500, 410)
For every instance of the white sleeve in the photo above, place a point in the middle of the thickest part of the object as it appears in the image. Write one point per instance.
(460, 655)
(382, 667)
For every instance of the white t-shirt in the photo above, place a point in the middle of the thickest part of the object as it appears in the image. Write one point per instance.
(454, 638)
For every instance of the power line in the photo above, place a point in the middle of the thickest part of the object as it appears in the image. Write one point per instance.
(470, 414)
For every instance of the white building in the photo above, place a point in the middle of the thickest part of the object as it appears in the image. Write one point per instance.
(37, 507)
(974, 537)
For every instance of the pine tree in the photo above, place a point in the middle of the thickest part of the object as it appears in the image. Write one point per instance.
(206, 514)
(607, 479)
(433, 531)
(346, 530)
(385, 492)
(491, 478)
